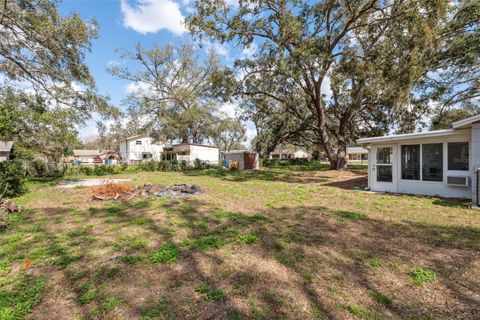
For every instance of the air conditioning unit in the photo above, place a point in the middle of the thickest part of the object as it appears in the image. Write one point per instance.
(458, 181)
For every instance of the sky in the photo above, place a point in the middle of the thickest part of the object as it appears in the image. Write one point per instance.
(123, 24)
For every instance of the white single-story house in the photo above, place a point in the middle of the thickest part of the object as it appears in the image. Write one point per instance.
(439, 163)
(141, 148)
(6, 148)
(95, 156)
(241, 160)
(189, 152)
(87, 156)
(289, 153)
(357, 154)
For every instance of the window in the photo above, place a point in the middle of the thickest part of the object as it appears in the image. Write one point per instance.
(384, 155)
(411, 162)
(432, 162)
(384, 173)
(458, 156)
(384, 165)
(138, 142)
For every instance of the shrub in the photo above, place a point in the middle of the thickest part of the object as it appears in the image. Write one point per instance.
(12, 178)
(167, 253)
(421, 276)
(248, 238)
(37, 168)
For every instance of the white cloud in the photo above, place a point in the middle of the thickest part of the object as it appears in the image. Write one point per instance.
(112, 63)
(228, 109)
(248, 52)
(251, 133)
(219, 48)
(137, 87)
(150, 16)
(325, 88)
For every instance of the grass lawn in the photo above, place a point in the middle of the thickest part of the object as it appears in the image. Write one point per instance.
(288, 243)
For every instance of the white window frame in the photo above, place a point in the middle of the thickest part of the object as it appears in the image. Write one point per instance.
(469, 155)
(444, 145)
(392, 161)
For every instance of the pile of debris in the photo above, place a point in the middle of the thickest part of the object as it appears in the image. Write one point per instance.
(175, 190)
(7, 207)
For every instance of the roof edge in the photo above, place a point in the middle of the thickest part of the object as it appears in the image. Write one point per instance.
(464, 122)
(436, 133)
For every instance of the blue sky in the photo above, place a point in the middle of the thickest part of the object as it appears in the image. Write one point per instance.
(123, 24)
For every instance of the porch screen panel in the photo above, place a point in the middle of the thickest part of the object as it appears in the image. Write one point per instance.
(384, 164)
(432, 162)
(411, 162)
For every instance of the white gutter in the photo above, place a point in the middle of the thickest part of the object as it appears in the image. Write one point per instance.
(438, 133)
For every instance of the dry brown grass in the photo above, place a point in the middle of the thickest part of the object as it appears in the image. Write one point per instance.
(111, 189)
(324, 251)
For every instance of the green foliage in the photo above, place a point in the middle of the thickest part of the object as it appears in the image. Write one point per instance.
(131, 259)
(53, 105)
(352, 215)
(422, 276)
(380, 298)
(278, 163)
(211, 294)
(359, 312)
(155, 310)
(88, 293)
(248, 238)
(167, 253)
(208, 242)
(12, 178)
(22, 298)
(186, 110)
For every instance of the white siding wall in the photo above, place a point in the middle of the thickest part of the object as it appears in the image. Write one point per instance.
(427, 187)
(300, 154)
(130, 151)
(475, 156)
(210, 155)
(2, 158)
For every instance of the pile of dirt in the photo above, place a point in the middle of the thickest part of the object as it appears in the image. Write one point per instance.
(114, 191)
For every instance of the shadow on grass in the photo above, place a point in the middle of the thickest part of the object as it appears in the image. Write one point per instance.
(308, 262)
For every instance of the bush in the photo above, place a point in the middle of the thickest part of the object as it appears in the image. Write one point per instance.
(12, 178)
(277, 163)
(167, 253)
(421, 276)
(37, 168)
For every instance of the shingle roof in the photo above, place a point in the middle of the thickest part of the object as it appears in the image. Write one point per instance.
(6, 146)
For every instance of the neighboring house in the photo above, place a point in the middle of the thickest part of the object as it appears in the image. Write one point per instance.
(95, 156)
(6, 150)
(241, 160)
(141, 148)
(357, 154)
(443, 162)
(86, 156)
(189, 152)
(289, 153)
